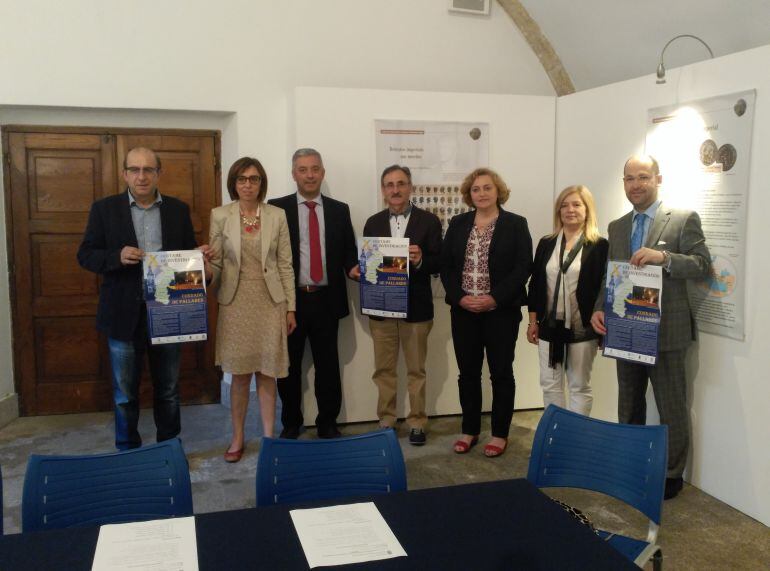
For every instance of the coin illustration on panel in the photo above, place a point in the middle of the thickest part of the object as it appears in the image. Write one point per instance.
(727, 156)
(708, 152)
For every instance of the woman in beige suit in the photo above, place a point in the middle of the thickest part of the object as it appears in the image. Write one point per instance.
(250, 258)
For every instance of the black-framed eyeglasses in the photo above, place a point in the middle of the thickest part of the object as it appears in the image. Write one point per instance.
(142, 170)
(254, 179)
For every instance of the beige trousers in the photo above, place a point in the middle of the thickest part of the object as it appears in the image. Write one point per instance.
(413, 338)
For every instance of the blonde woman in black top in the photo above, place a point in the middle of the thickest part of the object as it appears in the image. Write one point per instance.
(566, 277)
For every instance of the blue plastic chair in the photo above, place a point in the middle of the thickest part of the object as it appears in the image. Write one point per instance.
(299, 470)
(1, 502)
(152, 482)
(627, 462)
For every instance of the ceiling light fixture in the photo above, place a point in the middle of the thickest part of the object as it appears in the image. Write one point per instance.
(661, 73)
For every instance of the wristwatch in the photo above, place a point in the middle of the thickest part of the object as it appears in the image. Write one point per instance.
(666, 261)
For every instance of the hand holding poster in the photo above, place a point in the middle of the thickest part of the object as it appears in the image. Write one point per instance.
(175, 294)
(384, 282)
(632, 312)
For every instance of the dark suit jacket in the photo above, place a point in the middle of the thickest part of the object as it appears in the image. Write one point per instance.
(423, 230)
(593, 263)
(340, 242)
(679, 232)
(109, 229)
(510, 258)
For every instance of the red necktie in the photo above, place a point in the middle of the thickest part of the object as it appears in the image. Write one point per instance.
(316, 266)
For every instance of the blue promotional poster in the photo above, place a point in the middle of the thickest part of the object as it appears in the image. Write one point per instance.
(384, 264)
(632, 312)
(175, 294)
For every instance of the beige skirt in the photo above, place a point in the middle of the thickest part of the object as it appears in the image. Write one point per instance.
(251, 332)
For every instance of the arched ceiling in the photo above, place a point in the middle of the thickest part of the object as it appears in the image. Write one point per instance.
(604, 41)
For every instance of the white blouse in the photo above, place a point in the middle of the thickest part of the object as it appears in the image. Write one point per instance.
(567, 305)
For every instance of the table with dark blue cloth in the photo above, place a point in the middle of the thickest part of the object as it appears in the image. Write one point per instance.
(507, 524)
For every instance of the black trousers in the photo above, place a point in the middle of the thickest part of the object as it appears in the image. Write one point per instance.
(315, 321)
(473, 333)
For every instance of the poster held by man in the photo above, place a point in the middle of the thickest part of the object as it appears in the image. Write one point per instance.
(632, 312)
(384, 283)
(175, 294)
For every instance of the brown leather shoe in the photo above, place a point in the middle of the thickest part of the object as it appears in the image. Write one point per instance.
(234, 456)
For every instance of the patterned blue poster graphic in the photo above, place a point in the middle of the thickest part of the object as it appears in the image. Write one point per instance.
(384, 283)
(632, 312)
(175, 294)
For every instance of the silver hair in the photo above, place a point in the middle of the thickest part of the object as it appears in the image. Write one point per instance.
(306, 152)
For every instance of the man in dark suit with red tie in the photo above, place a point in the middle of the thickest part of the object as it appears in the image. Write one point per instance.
(401, 219)
(323, 248)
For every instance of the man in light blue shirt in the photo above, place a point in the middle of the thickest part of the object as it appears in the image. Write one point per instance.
(654, 234)
(121, 228)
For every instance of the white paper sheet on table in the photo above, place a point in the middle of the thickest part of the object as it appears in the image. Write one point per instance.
(338, 535)
(160, 545)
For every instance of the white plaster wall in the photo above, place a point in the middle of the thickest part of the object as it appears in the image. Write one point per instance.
(340, 122)
(90, 62)
(730, 390)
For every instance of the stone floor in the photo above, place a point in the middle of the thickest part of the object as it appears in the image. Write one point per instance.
(698, 531)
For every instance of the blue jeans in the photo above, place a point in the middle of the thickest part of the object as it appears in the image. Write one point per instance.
(127, 359)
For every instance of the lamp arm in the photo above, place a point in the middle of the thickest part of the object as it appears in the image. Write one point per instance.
(684, 36)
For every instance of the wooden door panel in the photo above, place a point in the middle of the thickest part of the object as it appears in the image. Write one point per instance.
(180, 176)
(62, 181)
(56, 273)
(61, 362)
(66, 346)
(53, 181)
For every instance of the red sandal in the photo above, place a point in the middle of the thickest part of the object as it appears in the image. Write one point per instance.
(462, 447)
(492, 451)
(235, 455)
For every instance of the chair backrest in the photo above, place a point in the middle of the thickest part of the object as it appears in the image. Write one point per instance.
(625, 461)
(1, 502)
(299, 470)
(144, 483)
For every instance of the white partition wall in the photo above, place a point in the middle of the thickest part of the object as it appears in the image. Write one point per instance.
(730, 385)
(340, 124)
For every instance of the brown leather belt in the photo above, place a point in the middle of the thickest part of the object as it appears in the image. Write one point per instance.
(310, 288)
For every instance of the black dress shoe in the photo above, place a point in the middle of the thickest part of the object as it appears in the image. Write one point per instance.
(291, 432)
(328, 432)
(673, 487)
(417, 437)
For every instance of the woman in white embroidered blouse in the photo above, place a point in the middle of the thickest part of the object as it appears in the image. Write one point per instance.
(485, 263)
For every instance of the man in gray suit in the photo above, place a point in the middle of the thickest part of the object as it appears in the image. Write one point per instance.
(655, 234)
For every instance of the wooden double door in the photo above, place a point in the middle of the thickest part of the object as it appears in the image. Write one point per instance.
(52, 176)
